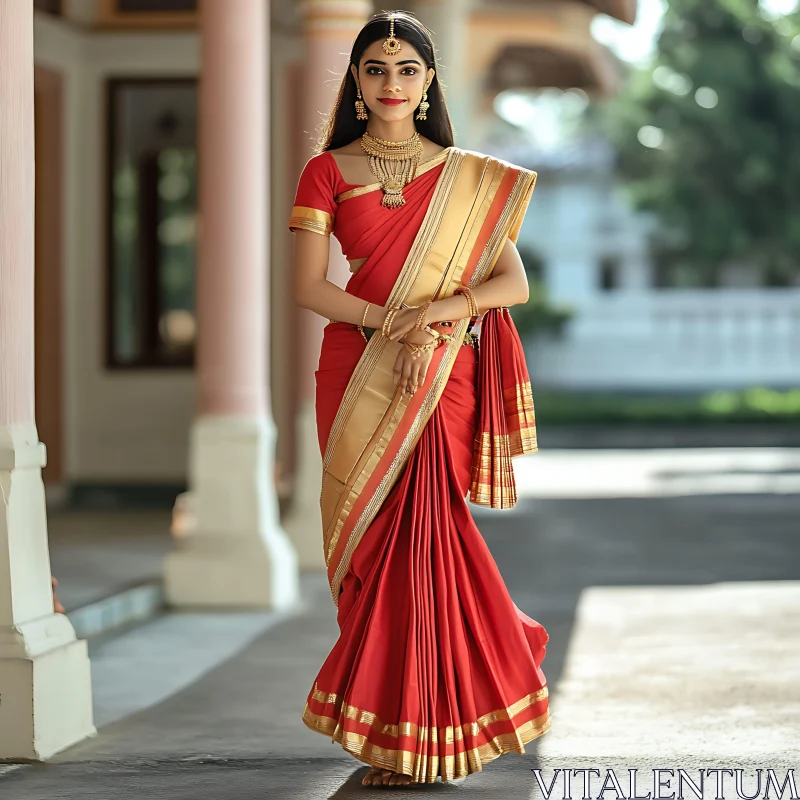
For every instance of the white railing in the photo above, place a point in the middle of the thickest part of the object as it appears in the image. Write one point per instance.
(676, 339)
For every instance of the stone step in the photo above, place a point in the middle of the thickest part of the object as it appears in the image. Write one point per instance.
(120, 610)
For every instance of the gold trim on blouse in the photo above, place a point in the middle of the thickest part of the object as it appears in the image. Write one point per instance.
(311, 219)
(371, 187)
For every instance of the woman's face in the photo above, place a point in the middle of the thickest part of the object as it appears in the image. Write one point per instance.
(402, 76)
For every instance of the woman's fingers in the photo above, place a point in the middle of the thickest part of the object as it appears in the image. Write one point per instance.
(413, 377)
(408, 366)
(398, 366)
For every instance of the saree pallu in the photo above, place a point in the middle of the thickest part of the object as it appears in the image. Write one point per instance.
(435, 671)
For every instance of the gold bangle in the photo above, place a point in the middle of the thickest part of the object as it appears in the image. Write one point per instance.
(461, 290)
(420, 322)
(471, 301)
(471, 297)
(387, 322)
(363, 323)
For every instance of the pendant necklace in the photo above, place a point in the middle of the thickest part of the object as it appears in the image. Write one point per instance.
(394, 164)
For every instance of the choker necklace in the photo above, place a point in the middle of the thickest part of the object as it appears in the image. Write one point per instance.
(394, 164)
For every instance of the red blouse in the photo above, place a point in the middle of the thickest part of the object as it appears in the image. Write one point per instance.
(320, 204)
(315, 202)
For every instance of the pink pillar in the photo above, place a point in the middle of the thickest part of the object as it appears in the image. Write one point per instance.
(232, 262)
(237, 554)
(16, 213)
(330, 26)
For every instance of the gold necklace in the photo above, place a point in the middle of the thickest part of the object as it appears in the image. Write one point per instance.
(394, 164)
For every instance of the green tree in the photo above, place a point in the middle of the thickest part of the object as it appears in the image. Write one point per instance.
(708, 137)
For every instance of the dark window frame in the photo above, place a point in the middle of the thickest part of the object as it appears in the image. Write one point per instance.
(149, 273)
(609, 273)
(189, 7)
(52, 7)
(110, 15)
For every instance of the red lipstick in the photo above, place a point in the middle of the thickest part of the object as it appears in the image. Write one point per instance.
(391, 101)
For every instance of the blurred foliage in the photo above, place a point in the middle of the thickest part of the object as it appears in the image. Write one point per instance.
(720, 107)
(537, 317)
(753, 405)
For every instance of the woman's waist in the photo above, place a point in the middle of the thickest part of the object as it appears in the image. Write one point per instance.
(444, 328)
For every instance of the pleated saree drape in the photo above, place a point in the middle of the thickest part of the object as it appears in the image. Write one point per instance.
(435, 671)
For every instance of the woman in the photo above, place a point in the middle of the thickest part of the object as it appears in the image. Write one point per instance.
(435, 671)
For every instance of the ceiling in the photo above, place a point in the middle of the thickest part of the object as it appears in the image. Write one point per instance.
(624, 10)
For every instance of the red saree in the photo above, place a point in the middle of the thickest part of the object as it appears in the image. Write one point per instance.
(436, 671)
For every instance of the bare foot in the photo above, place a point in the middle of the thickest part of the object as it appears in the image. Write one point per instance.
(385, 777)
(372, 778)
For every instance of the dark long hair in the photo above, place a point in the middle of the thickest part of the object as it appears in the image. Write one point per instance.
(342, 127)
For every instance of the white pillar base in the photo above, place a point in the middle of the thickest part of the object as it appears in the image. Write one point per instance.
(236, 555)
(45, 677)
(304, 521)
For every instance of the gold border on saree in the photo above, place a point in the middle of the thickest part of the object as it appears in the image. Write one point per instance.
(425, 767)
(420, 259)
(407, 289)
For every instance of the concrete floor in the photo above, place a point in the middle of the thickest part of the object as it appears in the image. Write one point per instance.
(675, 643)
(96, 553)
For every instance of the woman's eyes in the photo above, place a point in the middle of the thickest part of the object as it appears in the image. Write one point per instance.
(411, 71)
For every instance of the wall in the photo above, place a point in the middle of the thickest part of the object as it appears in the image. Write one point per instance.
(124, 426)
(677, 340)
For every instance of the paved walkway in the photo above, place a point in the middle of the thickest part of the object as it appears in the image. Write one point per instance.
(675, 642)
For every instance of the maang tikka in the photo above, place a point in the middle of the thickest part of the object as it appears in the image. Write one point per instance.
(391, 45)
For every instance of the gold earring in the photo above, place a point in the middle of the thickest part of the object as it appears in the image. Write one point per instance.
(424, 106)
(361, 108)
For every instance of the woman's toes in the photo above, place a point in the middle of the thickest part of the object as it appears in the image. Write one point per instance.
(386, 777)
(372, 778)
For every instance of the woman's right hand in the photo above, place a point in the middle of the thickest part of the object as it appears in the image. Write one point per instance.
(411, 372)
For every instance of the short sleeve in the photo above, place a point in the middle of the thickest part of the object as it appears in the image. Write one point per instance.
(314, 205)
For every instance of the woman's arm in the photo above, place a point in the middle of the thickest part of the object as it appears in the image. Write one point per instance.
(507, 286)
(312, 289)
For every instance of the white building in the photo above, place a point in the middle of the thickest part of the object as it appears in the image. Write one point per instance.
(628, 331)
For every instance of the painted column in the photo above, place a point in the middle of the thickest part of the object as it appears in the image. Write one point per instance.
(330, 27)
(237, 555)
(448, 21)
(45, 685)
